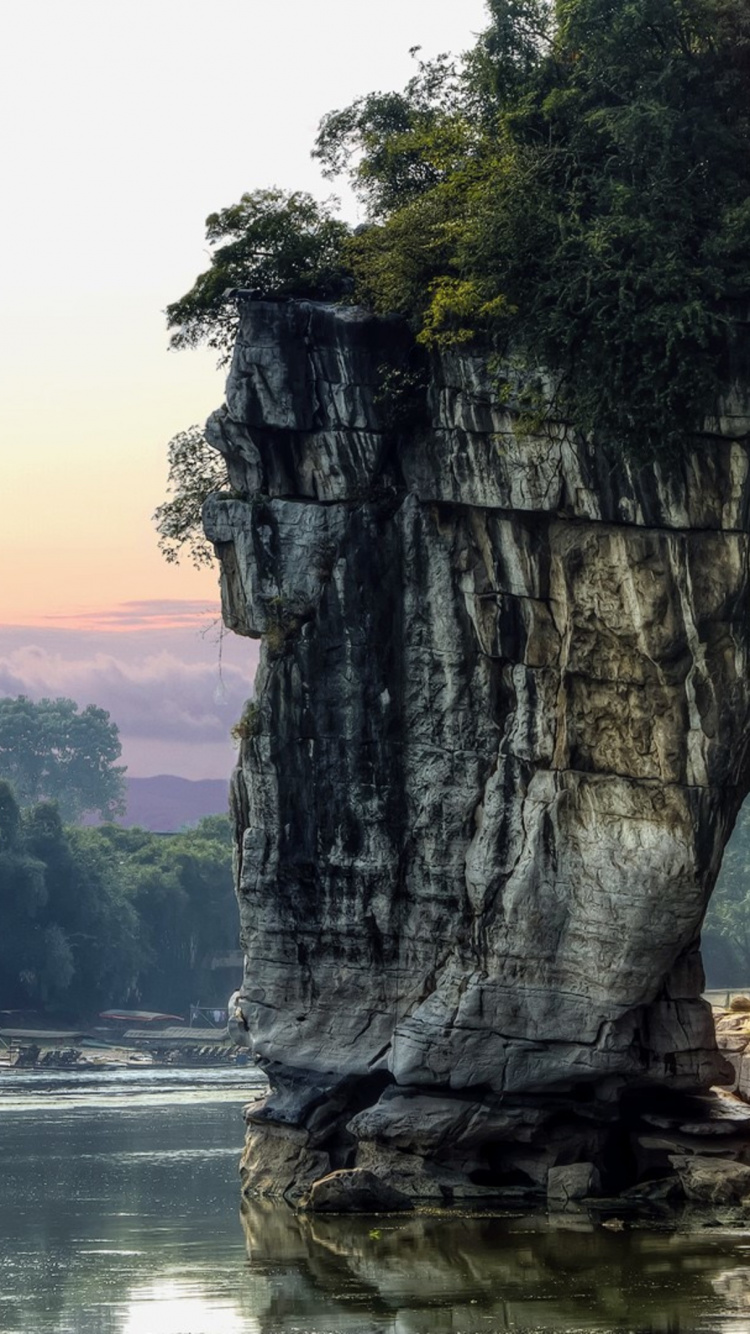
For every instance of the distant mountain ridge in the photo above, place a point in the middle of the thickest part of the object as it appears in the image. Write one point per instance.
(165, 803)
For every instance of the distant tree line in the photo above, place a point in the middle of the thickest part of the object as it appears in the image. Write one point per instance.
(91, 918)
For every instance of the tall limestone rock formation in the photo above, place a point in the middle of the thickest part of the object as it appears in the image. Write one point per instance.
(499, 739)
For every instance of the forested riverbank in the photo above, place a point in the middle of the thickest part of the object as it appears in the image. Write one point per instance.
(108, 916)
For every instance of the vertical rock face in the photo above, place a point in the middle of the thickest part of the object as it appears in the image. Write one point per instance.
(499, 739)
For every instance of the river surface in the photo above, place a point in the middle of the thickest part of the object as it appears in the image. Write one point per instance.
(119, 1214)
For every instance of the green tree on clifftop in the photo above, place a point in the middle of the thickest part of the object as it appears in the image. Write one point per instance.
(277, 242)
(584, 201)
(574, 192)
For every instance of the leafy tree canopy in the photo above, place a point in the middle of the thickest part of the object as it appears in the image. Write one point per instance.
(273, 241)
(49, 751)
(110, 916)
(593, 213)
(397, 146)
(181, 890)
(575, 191)
(69, 936)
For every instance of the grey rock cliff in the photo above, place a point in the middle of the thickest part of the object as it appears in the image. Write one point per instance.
(499, 740)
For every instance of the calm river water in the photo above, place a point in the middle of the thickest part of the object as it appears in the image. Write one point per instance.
(119, 1214)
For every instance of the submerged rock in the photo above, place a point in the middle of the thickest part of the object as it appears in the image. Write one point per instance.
(712, 1181)
(498, 742)
(354, 1191)
(567, 1186)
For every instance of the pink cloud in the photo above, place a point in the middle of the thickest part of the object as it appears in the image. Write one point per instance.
(144, 614)
(173, 692)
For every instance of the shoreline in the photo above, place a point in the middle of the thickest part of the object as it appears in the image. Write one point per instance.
(54, 1050)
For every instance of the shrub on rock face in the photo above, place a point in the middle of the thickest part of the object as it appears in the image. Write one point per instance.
(195, 472)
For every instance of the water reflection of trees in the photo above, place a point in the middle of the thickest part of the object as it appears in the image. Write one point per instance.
(430, 1274)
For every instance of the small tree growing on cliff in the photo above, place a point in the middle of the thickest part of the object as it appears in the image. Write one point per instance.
(195, 471)
(273, 241)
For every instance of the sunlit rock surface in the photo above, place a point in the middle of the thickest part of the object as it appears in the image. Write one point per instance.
(499, 739)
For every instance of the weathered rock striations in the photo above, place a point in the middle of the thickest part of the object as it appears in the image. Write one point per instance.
(499, 740)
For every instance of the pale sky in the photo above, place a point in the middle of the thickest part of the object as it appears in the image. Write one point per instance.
(125, 124)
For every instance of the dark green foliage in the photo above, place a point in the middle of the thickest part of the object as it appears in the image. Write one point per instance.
(574, 192)
(181, 889)
(274, 242)
(49, 751)
(397, 146)
(195, 471)
(592, 213)
(91, 949)
(503, 66)
(10, 817)
(213, 829)
(97, 917)
(632, 152)
(401, 396)
(67, 934)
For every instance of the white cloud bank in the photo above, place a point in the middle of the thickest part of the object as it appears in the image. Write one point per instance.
(173, 693)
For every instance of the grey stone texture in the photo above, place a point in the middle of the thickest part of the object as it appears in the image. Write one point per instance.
(354, 1191)
(499, 740)
(707, 1181)
(567, 1186)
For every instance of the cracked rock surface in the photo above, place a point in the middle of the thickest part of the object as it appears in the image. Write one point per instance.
(499, 740)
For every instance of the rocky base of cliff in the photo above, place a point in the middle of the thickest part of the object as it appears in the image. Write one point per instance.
(649, 1149)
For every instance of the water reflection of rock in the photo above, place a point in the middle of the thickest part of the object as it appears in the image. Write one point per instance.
(431, 1274)
(733, 1287)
